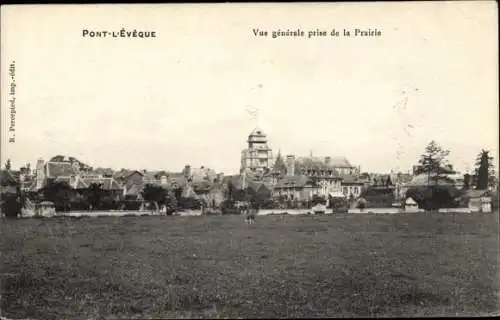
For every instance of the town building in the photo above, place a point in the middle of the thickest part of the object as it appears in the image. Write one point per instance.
(327, 173)
(352, 187)
(72, 172)
(298, 187)
(306, 177)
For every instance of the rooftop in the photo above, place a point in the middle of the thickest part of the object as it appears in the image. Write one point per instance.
(323, 163)
(293, 182)
(257, 132)
(56, 169)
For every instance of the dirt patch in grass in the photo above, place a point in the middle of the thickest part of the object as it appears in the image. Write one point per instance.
(199, 267)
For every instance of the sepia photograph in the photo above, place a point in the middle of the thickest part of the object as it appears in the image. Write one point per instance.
(249, 160)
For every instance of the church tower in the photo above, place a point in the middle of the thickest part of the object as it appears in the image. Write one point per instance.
(257, 157)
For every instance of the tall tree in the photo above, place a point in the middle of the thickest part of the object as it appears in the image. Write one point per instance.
(279, 165)
(171, 202)
(467, 181)
(95, 195)
(229, 190)
(8, 165)
(433, 161)
(484, 170)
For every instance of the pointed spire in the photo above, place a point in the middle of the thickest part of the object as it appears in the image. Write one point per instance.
(279, 164)
(278, 156)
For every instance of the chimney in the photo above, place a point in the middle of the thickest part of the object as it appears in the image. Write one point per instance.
(163, 179)
(187, 171)
(290, 165)
(73, 180)
(40, 173)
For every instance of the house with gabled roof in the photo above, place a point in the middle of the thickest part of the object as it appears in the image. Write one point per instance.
(107, 183)
(177, 180)
(155, 177)
(133, 184)
(105, 172)
(294, 187)
(121, 175)
(327, 173)
(69, 171)
(54, 170)
(352, 187)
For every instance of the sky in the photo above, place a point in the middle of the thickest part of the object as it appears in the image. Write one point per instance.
(182, 97)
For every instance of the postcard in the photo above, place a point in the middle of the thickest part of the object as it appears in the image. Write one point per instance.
(258, 160)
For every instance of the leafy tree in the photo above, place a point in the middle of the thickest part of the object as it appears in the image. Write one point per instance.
(172, 203)
(388, 181)
(229, 190)
(155, 195)
(259, 197)
(59, 193)
(58, 158)
(361, 204)
(95, 194)
(8, 165)
(434, 198)
(178, 193)
(432, 161)
(11, 203)
(484, 170)
(467, 181)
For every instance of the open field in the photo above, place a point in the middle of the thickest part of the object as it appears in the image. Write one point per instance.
(282, 266)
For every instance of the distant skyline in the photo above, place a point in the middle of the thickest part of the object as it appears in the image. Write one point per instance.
(190, 95)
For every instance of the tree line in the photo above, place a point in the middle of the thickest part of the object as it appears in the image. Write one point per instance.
(434, 163)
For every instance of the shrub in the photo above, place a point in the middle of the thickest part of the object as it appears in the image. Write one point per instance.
(11, 206)
(131, 204)
(338, 203)
(190, 203)
(318, 200)
(228, 207)
(270, 204)
(494, 201)
(361, 204)
(172, 206)
(435, 197)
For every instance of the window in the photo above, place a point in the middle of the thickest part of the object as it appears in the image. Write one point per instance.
(346, 190)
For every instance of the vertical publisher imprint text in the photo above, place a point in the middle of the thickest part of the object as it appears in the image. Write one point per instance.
(12, 102)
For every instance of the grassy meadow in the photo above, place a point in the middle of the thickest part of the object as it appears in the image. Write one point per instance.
(281, 266)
